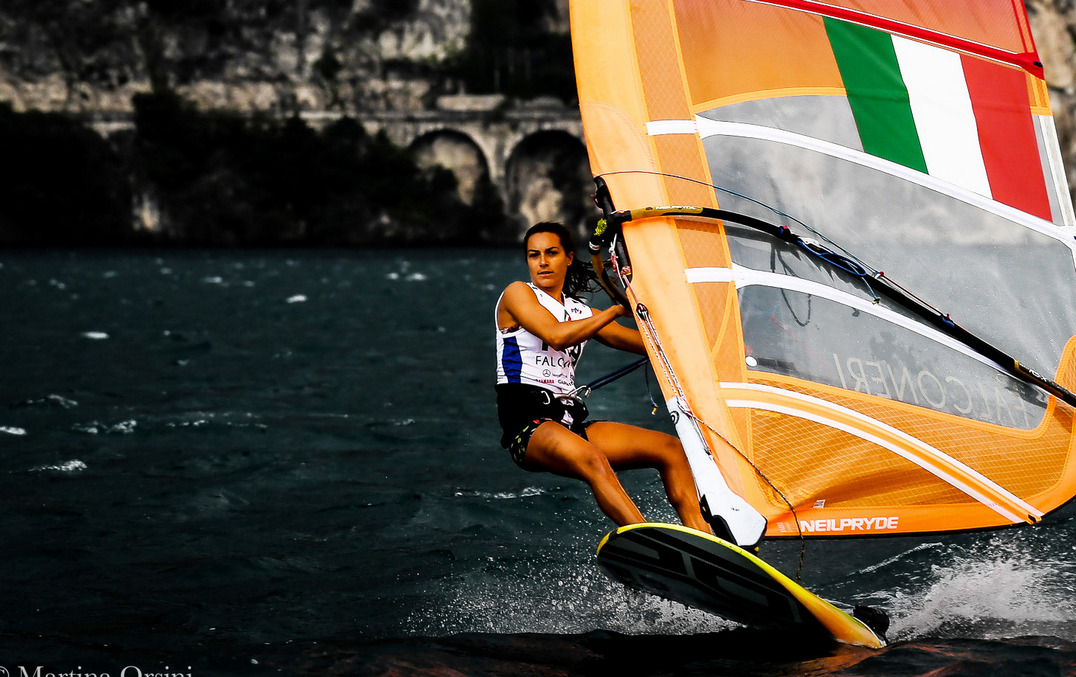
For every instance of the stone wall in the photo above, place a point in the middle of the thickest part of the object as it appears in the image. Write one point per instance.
(243, 55)
(91, 56)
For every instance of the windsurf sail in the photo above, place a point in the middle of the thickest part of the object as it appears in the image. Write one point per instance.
(847, 235)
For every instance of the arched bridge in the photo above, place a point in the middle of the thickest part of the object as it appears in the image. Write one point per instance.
(533, 156)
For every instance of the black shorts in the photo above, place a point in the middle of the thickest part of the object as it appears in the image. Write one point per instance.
(521, 408)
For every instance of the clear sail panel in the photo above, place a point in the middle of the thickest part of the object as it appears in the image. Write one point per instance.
(1011, 283)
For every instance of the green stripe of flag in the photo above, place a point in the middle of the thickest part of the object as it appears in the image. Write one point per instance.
(876, 92)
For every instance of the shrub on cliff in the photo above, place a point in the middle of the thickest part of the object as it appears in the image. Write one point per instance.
(64, 184)
(511, 50)
(220, 178)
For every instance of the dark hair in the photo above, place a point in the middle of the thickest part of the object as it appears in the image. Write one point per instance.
(580, 275)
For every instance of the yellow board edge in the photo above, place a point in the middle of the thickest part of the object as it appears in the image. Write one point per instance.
(843, 626)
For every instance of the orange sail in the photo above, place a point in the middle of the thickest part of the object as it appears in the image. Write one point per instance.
(903, 158)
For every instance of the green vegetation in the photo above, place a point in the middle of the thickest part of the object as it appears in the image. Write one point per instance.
(64, 183)
(222, 178)
(190, 176)
(512, 51)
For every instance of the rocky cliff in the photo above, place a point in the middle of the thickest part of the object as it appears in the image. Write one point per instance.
(189, 73)
(264, 55)
(243, 55)
(92, 56)
(271, 58)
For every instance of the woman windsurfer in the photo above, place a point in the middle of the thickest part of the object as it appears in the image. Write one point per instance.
(542, 328)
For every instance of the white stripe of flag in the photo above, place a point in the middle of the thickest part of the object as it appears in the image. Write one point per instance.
(944, 119)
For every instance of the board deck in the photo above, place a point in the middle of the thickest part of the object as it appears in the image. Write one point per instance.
(707, 573)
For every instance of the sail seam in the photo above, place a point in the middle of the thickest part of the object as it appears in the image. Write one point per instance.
(745, 277)
(706, 128)
(973, 483)
(1025, 60)
(922, 463)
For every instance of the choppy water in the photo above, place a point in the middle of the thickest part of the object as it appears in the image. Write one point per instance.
(286, 462)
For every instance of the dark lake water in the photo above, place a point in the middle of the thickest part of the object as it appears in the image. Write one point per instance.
(286, 462)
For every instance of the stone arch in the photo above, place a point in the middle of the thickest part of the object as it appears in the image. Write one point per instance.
(458, 153)
(547, 178)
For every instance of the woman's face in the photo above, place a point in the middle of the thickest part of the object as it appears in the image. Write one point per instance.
(548, 261)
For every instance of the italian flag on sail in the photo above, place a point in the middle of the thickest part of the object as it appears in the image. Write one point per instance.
(958, 118)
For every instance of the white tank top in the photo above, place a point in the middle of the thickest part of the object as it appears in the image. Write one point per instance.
(522, 357)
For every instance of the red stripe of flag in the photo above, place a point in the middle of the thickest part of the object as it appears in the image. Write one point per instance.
(1002, 109)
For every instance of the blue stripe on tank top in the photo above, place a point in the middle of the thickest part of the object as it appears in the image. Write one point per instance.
(512, 361)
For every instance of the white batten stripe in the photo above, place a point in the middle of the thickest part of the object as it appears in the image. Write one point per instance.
(745, 277)
(913, 441)
(1048, 131)
(944, 119)
(708, 128)
(662, 127)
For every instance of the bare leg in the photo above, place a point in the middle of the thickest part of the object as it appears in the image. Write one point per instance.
(556, 449)
(628, 447)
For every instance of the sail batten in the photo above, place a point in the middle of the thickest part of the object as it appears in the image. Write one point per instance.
(910, 137)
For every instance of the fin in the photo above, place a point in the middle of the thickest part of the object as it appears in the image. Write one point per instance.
(748, 537)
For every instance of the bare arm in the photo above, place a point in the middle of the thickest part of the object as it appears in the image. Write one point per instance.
(622, 338)
(520, 306)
